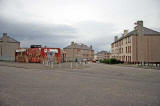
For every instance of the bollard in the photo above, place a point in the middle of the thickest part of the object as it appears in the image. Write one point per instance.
(51, 64)
(76, 65)
(46, 63)
(71, 65)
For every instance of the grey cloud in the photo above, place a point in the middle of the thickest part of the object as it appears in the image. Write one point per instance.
(100, 34)
(51, 35)
(102, 43)
(21, 17)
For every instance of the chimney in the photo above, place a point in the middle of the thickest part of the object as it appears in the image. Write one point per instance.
(125, 32)
(4, 38)
(72, 43)
(139, 28)
(140, 23)
(91, 47)
(115, 38)
(4, 34)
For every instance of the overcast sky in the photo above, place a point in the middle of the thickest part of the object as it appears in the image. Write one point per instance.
(56, 23)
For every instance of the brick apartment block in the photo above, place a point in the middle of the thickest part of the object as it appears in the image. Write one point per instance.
(78, 52)
(140, 45)
(8, 46)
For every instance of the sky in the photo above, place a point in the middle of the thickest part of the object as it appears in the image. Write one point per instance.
(56, 23)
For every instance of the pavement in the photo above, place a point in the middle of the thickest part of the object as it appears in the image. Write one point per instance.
(24, 84)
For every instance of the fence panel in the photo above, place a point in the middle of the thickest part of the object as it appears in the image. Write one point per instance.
(7, 58)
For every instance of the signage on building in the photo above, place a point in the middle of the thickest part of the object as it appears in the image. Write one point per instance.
(20, 50)
(51, 50)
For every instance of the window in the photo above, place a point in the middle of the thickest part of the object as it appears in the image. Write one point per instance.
(126, 40)
(126, 49)
(129, 39)
(112, 45)
(129, 49)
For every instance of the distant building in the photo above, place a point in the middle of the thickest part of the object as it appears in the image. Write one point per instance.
(8, 47)
(103, 55)
(63, 56)
(76, 51)
(139, 45)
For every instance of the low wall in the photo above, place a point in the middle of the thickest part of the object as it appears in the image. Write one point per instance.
(7, 58)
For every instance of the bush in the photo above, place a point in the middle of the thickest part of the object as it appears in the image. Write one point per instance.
(107, 61)
(113, 61)
(110, 61)
(101, 61)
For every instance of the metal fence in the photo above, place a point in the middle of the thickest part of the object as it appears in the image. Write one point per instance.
(7, 58)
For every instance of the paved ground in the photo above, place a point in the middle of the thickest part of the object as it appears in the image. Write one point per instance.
(95, 85)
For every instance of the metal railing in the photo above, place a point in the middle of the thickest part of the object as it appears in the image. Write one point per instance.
(7, 58)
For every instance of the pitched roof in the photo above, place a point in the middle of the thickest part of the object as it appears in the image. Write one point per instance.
(78, 46)
(102, 52)
(147, 31)
(150, 31)
(10, 39)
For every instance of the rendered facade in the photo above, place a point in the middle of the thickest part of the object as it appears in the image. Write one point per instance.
(78, 52)
(139, 45)
(8, 47)
(103, 55)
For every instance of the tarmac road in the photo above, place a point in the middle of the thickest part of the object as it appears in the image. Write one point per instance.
(97, 85)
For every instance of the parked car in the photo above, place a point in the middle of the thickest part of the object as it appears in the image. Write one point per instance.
(94, 61)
